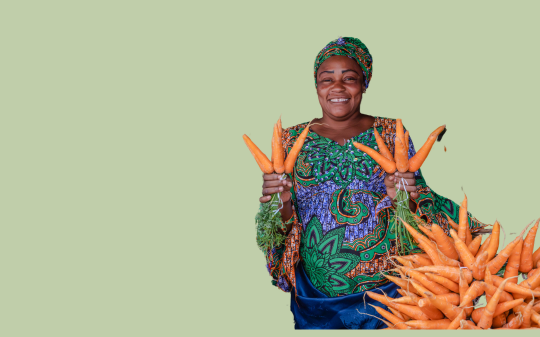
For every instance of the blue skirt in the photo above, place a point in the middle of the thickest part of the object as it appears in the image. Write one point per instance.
(314, 310)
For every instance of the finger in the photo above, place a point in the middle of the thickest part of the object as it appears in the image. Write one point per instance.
(272, 176)
(265, 198)
(408, 188)
(272, 190)
(272, 183)
(414, 195)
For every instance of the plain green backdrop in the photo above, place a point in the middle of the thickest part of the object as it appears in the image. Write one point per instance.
(127, 194)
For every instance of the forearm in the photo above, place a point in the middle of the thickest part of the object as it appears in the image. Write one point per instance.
(286, 214)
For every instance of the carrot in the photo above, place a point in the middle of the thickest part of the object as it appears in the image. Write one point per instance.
(449, 310)
(474, 246)
(451, 222)
(278, 154)
(490, 289)
(295, 150)
(404, 262)
(487, 317)
(455, 323)
(451, 273)
(409, 310)
(401, 153)
(443, 281)
(479, 267)
(498, 321)
(535, 317)
(430, 325)
(444, 243)
(383, 149)
(499, 309)
(451, 298)
(526, 263)
(422, 261)
(426, 245)
(476, 289)
(401, 282)
(531, 283)
(536, 256)
(404, 300)
(527, 316)
(424, 280)
(386, 164)
(463, 287)
(515, 323)
(426, 231)
(399, 314)
(488, 281)
(514, 288)
(463, 221)
(262, 160)
(512, 267)
(398, 322)
(468, 325)
(498, 261)
(484, 246)
(465, 255)
(448, 261)
(418, 159)
(494, 243)
(406, 136)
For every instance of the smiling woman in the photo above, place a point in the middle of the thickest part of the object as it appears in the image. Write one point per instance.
(340, 201)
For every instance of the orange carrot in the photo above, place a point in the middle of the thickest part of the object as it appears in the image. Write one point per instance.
(535, 317)
(418, 159)
(463, 287)
(444, 243)
(498, 261)
(295, 150)
(430, 325)
(484, 246)
(446, 260)
(451, 222)
(494, 243)
(490, 289)
(386, 164)
(499, 309)
(526, 263)
(512, 267)
(398, 322)
(406, 137)
(399, 314)
(404, 300)
(536, 256)
(383, 149)
(479, 267)
(465, 255)
(449, 310)
(451, 273)
(498, 321)
(426, 231)
(443, 281)
(531, 283)
(404, 262)
(514, 288)
(425, 281)
(455, 323)
(474, 246)
(401, 282)
(476, 289)
(262, 160)
(401, 153)
(424, 243)
(422, 261)
(487, 317)
(527, 316)
(463, 221)
(409, 310)
(515, 323)
(488, 281)
(468, 325)
(278, 154)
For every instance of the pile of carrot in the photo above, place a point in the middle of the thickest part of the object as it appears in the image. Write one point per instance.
(438, 287)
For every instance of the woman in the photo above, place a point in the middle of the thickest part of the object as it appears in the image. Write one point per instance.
(338, 202)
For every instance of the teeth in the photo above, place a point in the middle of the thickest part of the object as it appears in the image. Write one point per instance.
(339, 100)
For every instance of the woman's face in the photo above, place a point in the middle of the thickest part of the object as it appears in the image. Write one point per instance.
(339, 87)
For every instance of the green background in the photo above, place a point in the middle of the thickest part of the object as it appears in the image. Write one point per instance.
(127, 194)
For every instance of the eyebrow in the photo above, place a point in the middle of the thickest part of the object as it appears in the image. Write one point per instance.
(343, 71)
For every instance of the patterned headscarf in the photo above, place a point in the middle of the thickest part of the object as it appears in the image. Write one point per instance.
(351, 47)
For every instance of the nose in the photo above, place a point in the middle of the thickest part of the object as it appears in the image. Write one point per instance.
(338, 87)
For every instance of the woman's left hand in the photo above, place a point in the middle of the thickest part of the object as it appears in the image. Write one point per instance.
(393, 180)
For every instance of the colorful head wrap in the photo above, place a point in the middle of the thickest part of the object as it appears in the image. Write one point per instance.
(351, 47)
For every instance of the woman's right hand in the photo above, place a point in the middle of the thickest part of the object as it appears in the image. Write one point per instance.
(272, 184)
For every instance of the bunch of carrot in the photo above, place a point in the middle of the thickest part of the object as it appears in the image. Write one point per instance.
(269, 222)
(438, 287)
(400, 162)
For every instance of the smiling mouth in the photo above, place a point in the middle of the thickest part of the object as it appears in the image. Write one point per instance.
(340, 100)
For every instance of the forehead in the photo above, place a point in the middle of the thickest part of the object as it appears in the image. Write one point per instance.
(339, 62)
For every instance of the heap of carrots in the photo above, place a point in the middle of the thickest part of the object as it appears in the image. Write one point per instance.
(438, 287)
(269, 223)
(400, 162)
